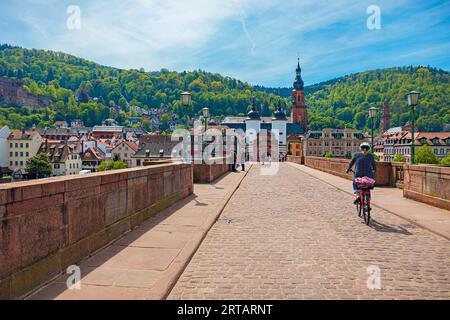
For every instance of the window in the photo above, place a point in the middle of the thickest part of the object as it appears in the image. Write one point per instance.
(10, 163)
(138, 162)
(16, 154)
(27, 145)
(10, 145)
(11, 154)
(21, 145)
(21, 153)
(16, 145)
(27, 154)
(21, 163)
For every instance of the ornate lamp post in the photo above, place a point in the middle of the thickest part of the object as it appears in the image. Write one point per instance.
(205, 112)
(186, 100)
(413, 100)
(372, 115)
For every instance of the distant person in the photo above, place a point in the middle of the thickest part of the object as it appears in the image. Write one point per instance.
(233, 166)
(364, 165)
(242, 160)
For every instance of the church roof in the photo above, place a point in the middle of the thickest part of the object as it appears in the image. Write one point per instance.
(253, 115)
(279, 115)
(298, 83)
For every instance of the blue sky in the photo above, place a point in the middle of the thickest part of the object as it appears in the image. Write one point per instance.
(254, 40)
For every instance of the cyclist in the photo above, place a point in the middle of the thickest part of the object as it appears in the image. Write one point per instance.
(364, 165)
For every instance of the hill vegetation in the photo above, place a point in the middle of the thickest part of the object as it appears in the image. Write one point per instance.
(86, 90)
(345, 101)
(82, 89)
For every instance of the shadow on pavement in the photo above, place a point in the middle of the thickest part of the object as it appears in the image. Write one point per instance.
(377, 226)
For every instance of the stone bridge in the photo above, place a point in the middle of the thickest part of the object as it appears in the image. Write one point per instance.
(294, 234)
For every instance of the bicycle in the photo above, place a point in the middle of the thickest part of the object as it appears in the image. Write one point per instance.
(363, 203)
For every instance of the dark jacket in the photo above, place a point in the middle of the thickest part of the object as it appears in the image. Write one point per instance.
(364, 165)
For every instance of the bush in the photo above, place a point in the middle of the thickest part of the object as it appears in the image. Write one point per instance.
(446, 161)
(328, 154)
(376, 157)
(425, 155)
(399, 158)
(112, 165)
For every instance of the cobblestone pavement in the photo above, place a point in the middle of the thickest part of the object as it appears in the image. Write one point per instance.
(294, 236)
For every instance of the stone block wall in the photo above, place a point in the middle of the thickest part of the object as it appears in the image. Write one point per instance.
(295, 159)
(429, 184)
(207, 173)
(48, 224)
(338, 167)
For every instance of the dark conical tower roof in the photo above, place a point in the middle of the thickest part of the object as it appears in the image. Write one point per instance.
(279, 114)
(298, 83)
(253, 114)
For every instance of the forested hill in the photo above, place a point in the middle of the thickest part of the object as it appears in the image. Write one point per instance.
(83, 89)
(345, 101)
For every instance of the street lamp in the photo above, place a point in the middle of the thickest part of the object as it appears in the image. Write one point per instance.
(205, 111)
(186, 100)
(413, 100)
(372, 115)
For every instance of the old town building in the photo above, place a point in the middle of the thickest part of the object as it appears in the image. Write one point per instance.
(63, 157)
(22, 146)
(342, 143)
(124, 150)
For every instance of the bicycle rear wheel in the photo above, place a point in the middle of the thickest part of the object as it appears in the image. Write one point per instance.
(366, 214)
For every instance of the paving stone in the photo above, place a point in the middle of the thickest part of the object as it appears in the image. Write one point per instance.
(304, 235)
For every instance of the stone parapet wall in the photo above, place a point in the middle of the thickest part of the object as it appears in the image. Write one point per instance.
(295, 159)
(207, 173)
(338, 167)
(49, 224)
(429, 184)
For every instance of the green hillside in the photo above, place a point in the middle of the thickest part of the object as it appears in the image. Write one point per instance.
(84, 89)
(345, 101)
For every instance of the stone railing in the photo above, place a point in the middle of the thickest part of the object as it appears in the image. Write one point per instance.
(397, 174)
(338, 166)
(427, 183)
(49, 224)
(295, 159)
(207, 173)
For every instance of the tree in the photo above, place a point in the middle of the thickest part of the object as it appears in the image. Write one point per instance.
(399, 158)
(38, 166)
(328, 154)
(425, 155)
(112, 165)
(446, 161)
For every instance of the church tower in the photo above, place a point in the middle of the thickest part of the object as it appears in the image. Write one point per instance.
(299, 112)
(386, 117)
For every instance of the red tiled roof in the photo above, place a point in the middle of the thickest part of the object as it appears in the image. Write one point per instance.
(94, 154)
(19, 135)
(131, 145)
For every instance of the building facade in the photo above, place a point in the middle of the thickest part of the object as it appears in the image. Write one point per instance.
(63, 157)
(342, 143)
(22, 146)
(295, 145)
(125, 150)
(4, 146)
(254, 125)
